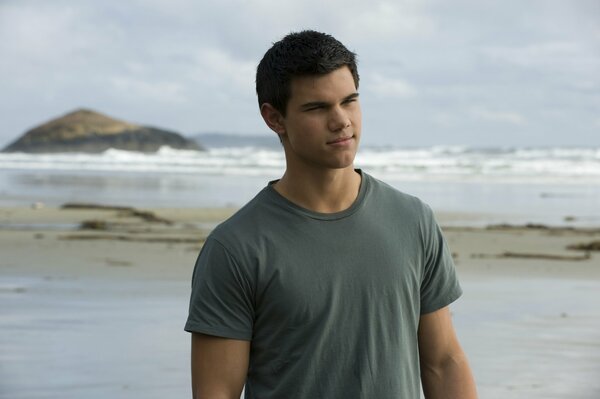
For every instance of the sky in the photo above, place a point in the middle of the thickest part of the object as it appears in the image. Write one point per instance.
(433, 72)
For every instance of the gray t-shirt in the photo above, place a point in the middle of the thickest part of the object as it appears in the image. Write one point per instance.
(330, 302)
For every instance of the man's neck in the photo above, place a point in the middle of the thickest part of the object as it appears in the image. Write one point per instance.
(325, 192)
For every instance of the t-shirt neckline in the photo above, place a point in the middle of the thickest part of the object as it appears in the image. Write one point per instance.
(283, 201)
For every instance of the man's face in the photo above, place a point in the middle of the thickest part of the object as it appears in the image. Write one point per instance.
(322, 125)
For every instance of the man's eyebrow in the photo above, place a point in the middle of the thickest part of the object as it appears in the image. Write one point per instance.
(351, 96)
(312, 104)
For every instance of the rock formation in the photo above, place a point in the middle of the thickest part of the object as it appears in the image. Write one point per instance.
(84, 130)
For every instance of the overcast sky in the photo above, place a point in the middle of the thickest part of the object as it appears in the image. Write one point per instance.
(477, 73)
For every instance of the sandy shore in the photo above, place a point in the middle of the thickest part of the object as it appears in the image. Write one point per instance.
(97, 297)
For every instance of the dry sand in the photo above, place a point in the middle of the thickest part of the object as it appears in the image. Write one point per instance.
(99, 312)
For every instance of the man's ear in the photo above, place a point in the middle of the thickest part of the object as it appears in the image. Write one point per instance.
(273, 119)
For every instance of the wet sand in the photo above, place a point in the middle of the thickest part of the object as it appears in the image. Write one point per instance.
(99, 312)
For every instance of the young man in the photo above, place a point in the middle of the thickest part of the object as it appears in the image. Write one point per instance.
(329, 283)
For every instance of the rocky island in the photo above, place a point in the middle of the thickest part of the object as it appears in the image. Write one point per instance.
(88, 131)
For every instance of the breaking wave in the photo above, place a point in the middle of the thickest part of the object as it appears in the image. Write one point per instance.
(427, 163)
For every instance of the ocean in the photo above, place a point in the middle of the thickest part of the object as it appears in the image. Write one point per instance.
(556, 186)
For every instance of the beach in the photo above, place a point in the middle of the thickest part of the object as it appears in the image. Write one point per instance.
(130, 131)
(95, 298)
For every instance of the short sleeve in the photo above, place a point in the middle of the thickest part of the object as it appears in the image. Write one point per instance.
(221, 300)
(439, 284)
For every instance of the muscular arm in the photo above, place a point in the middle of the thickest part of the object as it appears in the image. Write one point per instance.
(219, 367)
(445, 372)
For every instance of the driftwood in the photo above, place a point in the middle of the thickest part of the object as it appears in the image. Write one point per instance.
(550, 230)
(82, 205)
(525, 255)
(94, 225)
(120, 237)
(125, 210)
(532, 226)
(590, 246)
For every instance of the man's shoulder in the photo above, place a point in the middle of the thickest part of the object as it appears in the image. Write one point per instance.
(247, 224)
(388, 196)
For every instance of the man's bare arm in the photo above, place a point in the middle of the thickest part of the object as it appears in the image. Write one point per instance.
(219, 367)
(445, 372)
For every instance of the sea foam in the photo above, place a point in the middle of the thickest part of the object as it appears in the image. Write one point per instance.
(426, 163)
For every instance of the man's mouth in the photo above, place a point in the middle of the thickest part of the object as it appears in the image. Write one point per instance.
(341, 140)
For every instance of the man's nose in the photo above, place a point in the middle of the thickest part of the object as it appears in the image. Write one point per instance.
(338, 119)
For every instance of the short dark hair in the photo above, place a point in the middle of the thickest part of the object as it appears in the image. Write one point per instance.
(299, 54)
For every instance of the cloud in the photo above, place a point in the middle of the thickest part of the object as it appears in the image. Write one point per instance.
(387, 19)
(164, 92)
(446, 119)
(40, 34)
(384, 86)
(508, 117)
(562, 56)
(217, 68)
